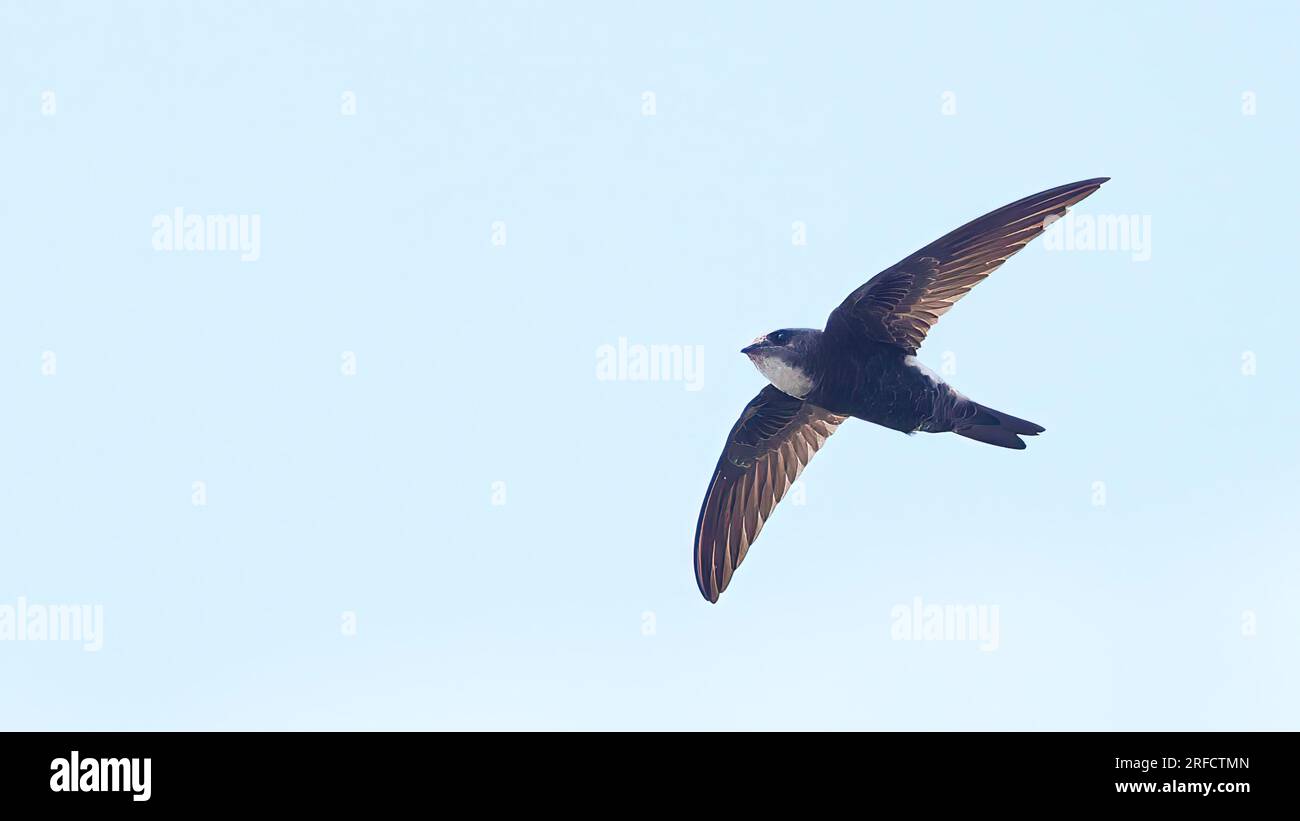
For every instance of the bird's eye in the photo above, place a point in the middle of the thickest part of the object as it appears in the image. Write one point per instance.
(779, 337)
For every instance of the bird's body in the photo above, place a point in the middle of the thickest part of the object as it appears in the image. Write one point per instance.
(863, 365)
(867, 380)
(879, 383)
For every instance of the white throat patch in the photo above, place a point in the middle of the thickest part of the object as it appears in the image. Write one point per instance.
(787, 378)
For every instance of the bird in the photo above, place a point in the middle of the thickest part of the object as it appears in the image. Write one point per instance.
(862, 365)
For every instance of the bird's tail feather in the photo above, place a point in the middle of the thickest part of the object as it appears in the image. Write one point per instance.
(996, 428)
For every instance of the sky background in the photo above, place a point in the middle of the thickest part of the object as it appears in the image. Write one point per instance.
(1171, 605)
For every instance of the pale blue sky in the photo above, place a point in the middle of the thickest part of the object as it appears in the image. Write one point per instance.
(372, 493)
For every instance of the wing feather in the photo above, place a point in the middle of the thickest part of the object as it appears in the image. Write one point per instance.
(900, 305)
(774, 439)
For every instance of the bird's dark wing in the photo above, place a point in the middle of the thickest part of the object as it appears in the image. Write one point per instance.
(774, 438)
(899, 305)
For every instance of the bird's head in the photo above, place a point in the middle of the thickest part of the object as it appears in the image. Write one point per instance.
(784, 357)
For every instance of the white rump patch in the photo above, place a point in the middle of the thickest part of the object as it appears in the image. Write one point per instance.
(912, 361)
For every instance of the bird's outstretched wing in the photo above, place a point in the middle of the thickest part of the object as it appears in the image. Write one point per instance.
(899, 305)
(775, 437)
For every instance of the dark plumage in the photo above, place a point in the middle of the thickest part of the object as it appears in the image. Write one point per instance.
(862, 366)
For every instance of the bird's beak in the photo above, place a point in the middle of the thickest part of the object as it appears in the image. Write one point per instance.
(749, 349)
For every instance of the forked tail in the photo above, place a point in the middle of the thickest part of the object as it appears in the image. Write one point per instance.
(995, 428)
